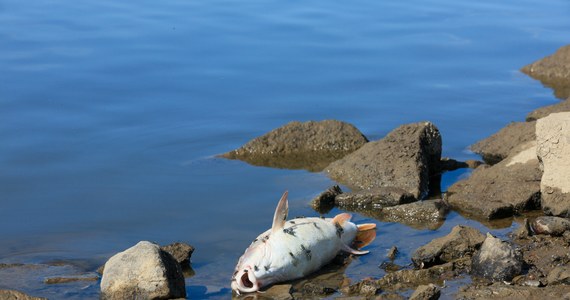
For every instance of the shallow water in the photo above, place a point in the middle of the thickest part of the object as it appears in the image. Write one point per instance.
(111, 115)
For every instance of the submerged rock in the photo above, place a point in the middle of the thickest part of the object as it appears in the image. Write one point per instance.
(499, 191)
(553, 71)
(450, 164)
(143, 271)
(499, 145)
(553, 150)
(460, 242)
(404, 159)
(421, 214)
(497, 260)
(309, 145)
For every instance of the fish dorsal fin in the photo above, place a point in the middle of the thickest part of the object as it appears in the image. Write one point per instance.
(280, 213)
(340, 219)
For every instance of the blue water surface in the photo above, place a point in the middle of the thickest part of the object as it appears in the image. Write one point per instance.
(112, 114)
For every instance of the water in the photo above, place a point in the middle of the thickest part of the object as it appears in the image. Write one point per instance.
(111, 114)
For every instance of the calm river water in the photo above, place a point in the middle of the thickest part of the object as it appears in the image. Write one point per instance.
(112, 114)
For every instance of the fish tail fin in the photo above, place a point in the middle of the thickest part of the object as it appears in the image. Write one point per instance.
(365, 235)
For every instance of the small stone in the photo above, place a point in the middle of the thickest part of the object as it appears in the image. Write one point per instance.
(426, 292)
(324, 202)
(392, 253)
(497, 260)
(182, 252)
(559, 275)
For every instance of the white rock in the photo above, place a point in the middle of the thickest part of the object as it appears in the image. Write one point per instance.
(553, 150)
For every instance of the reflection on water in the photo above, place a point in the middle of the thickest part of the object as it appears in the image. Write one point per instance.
(111, 114)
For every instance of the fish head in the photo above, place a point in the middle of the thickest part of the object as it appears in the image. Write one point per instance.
(250, 270)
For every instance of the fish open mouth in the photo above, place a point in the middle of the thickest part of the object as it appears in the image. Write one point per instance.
(245, 282)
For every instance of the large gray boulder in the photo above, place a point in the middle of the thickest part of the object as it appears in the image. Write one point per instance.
(499, 145)
(542, 112)
(497, 260)
(461, 241)
(553, 71)
(553, 150)
(404, 159)
(309, 145)
(499, 191)
(143, 271)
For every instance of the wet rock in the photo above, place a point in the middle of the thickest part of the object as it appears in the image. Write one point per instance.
(404, 159)
(181, 252)
(142, 271)
(559, 275)
(373, 198)
(523, 231)
(497, 260)
(554, 226)
(426, 292)
(460, 242)
(72, 278)
(553, 71)
(324, 202)
(392, 253)
(542, 253)
(275, 292)
(499, 145)
(542, 112)
(390, 266)
(450, 164)
(407, 279)
(553, 150)
(366, 288)
(421, 214)
(308, 145)
(17, 295)
(492, 192)
(503, 291)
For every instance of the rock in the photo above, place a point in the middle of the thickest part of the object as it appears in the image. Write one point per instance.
(554, 226)
(553, 71)
(404, 159)
(276, 292)
(71, 278)
(450, 164)
(182, 252)
(553, 150)
(497, 260)
(392, 253)
(324, 202)
(16, 295)
(460, 242)
(373, 198)
(308, 145)
(499, 191)
(143, 271)
(545, 111)
(367, 288)
(499, 145)
(523, 231)
(421, 214)
(559, 275)
(503, 291)
(426, 292)
(407, 279)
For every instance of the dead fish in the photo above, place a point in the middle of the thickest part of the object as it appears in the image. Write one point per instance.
(295, 248)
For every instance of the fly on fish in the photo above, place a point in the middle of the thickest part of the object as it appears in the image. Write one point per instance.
(295, 248)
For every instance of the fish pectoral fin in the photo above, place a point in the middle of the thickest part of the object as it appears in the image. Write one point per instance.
(365, 235)
(280, 213)
(347, 249)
